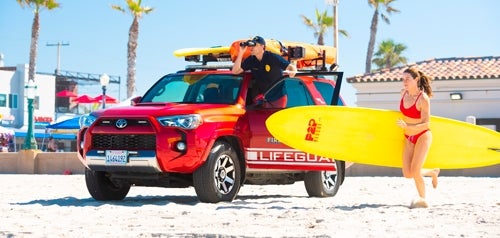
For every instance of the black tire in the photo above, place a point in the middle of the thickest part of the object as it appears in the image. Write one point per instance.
(324, 183)
(102, 189)
(219, 179)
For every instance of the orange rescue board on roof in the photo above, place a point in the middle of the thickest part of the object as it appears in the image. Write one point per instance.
(311, 51)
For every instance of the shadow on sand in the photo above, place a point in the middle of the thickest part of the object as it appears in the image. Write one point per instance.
(136, 201)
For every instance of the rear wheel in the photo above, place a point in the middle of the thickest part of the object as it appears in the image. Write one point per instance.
(102, 188)
(324, 183)
(218, 179)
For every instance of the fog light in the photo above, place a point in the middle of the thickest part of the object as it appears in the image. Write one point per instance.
(180, 146)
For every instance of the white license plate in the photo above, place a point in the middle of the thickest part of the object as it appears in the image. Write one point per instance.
(116, 157)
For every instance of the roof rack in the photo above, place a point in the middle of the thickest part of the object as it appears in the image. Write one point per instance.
(191, 68)
(292, 53)
(204, 59)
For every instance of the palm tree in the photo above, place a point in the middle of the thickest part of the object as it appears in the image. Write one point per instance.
(35, 28)
(377, 4)
(136, 10)
(321, 26)
(389, 54)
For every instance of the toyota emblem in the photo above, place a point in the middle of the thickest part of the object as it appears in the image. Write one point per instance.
(121, 123)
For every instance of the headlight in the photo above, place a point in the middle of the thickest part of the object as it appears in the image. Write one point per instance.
(87, 120)
(185, 121)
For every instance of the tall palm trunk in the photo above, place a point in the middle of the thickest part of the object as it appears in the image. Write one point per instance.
(131, 56)
(35, 29)
(371, 43)
(321, 40)
(388, 64)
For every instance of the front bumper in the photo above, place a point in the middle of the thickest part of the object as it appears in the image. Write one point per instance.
(138, 161)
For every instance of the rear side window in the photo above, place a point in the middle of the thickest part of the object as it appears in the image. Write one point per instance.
(298, 95)
(326, 91)
(295, 91)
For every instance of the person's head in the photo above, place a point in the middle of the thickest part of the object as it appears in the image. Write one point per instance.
(51, 138)
(260, 45)
(416, 78)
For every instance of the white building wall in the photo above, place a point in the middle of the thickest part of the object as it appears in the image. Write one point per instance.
(481, 97)
(13, 82)
(10, 83)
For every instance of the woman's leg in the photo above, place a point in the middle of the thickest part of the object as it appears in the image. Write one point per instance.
(434, 173)
(420, 153)
(407, 156)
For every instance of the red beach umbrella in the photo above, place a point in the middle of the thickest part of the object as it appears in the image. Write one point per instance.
(85, 99)
(66, 93)
(109, 99)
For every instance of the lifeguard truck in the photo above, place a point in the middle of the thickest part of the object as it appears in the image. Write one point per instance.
(199, 127)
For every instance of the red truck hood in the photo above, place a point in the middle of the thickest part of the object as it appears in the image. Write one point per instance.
(165, 109)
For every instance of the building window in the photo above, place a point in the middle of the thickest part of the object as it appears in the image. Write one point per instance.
(13, 101)
(3, 100)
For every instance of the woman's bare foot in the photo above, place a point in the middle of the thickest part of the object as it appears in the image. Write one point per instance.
(418, 203)
(435, 175)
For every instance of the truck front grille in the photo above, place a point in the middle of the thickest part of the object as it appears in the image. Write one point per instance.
(124, 142)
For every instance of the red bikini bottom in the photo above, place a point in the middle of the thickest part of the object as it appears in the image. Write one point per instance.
(414, 138)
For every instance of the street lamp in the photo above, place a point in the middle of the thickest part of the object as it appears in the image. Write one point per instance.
(29, 141)
(104, 83)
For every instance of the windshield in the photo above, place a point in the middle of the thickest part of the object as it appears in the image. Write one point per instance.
(195, 88)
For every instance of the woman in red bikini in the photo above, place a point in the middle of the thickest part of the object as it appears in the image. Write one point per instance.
(415, 107)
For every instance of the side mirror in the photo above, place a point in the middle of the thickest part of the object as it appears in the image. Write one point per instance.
(135, 100)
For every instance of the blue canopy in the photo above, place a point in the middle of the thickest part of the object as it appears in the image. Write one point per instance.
(72, 123)
(42, 135)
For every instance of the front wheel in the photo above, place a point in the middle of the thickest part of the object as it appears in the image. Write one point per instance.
(102, 188)
(218, 179)
(324, 183)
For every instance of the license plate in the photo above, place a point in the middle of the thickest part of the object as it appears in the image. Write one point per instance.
(116, 157)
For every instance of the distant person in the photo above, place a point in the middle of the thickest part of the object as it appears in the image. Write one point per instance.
(416, 110)
(52, 145)
(266, 67)
(3, 143)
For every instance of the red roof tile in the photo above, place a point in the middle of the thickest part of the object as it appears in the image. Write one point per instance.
(440, 69)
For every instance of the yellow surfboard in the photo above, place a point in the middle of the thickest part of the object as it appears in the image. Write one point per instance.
(201, 51)
(371, 136)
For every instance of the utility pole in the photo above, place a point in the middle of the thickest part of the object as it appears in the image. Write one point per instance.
(335, 3)
(58, 44)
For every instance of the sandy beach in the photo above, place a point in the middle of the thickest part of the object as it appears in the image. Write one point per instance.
(60, 206)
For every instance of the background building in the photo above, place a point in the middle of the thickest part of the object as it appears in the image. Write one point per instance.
(467, 87)
(48, 106)
(13, 106)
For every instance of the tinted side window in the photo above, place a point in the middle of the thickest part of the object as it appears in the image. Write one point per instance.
(298, 95)
(326, 91)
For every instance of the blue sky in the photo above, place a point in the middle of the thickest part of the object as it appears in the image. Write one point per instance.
(97, 35)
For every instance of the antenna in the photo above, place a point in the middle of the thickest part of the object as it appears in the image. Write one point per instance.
(58, 44)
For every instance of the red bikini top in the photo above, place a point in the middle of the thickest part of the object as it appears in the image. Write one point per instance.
(411, 112)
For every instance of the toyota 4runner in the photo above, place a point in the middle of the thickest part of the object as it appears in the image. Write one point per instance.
(199, 127)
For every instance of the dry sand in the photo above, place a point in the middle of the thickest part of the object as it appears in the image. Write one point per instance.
(60, 206)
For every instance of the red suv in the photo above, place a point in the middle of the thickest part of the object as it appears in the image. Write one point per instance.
(197, 127)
